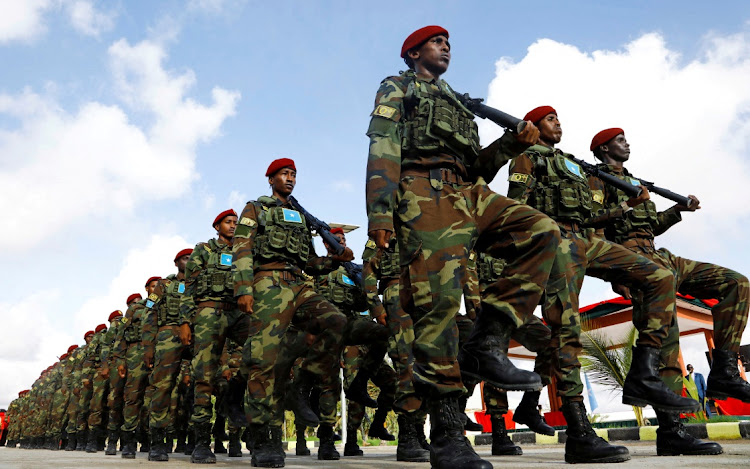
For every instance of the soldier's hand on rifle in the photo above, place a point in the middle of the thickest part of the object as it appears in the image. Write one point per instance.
(529, 135)
(186, 380)
(105, 372)
(694, 205)
(245, 303)
(186, 335)
(635, 201)
(121, 370)
(381, 238)
(227, 374)
(345, 256)
(622, 290)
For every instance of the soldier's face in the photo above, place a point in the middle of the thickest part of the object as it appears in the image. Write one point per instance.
(151, 287)
(181, 262)
(434, 55)
(550, 130)
(88, 338)
(618, 148)
(283, 181)
(226, 226)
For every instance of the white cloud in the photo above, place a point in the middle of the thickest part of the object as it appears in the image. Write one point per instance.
(88, 20)
(95, 160)
(686, 121)
(237, 200)
(25, 20)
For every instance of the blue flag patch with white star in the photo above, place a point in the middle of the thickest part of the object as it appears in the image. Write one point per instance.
(181, 288)
(347, 281)
(292, 216)
(226, 259)
(149, 303)
(573, 168)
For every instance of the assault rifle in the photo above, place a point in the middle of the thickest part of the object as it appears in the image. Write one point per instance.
(322, 228)
(666, 193)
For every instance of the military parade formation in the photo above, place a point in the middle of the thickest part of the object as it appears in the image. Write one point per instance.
(253, 323)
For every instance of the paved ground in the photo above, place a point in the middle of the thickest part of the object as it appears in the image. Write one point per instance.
(736, 455)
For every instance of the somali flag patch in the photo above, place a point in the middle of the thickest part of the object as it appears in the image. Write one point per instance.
(149, 303)
(347, 281)
(635, 182)
(573, 168)
(226, 259)
(181, 288)
(292, 216)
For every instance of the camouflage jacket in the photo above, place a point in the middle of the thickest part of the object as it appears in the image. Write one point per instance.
(168, 290)
(130, 329)
(197, 263)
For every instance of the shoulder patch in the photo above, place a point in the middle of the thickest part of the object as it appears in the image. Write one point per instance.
(153, 297)
(247, 221)
(385, 111)
(519, 177)
(370, 244)
(598, 197)
(206, 247)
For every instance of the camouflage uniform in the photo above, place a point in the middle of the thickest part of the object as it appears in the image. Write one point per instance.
(546, 179)
(89, 373)
(272, 246)
(73, 383)
(208, 304)
(100, 389)
(636, 230)
(161, 337)
(426, 181)
(115, 398)
(59, 401)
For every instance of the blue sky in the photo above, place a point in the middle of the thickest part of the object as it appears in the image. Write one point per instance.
(125, 127)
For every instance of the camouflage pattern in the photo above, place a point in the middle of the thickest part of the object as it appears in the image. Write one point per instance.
(384, 378)
(73, 383)
(581, 253)
(636, 231)
(440, 207)
(115, 398)
(284, 295)
(88, 374)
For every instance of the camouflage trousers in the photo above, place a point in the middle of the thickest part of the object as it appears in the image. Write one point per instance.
(384, 378)
(72, 411)
(167, 360)
(84, 402)
(59, 402)
(701, 280)
(280, 300)
(98, 400)
(136, 381)
(583, 253)
(438, 224)
(115, 399)
(212, 325)
(400, 342)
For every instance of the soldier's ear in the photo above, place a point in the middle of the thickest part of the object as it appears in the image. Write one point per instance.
(413, 54)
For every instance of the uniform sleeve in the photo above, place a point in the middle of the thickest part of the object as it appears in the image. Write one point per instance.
(370, 271)
(521, 178)
(384, 158)
(666, 220)
(472, 298)
(119, 346)
(493, 157)
(604, 209)
(319, 265)
(242, 250)
(150, 316)
(192, 270)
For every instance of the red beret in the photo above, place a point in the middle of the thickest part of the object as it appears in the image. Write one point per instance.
(71, 348)
(605, 136)
(133, 297)
(420, 36)
(223, 215)
(101, 327)
(337, 230)
(279, 164)
(63, 356)
(151, 279)
(537, 114)
(88, 333)
(115, 314)
(184, 252)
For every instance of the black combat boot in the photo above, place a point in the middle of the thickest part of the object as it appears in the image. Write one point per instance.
(409, 448)
(219, 429)
(276, 440)
(377, 427)
(673, 440)
(527, 414)
(219, 446)
(202, 453)
(71, 442)
(112, 438)
(301, 448)
(644, 387)
(235, 447)
(93, 443)
(469, 425)
(420, 417)
(582, 444)
(169, 444)
(299, 399)
(264, 453)
(351, 448)
(129, 444)
(327, 450)
(483, 357)
(357, 390)
(180, 448)
(235, 404)
(450, 449)
(501, 442)
(724, 379)
(82, 439)
(190, 445)
(101, 439)
(158, 447)
(53, 443)
(145, 439)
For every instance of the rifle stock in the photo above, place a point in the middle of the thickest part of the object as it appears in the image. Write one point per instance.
(497, 116)
(319, 226)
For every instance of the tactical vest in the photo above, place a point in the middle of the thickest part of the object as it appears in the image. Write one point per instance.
(342, 291)
(215, 279)
(283, 235)
(390, 266)
(489, 268)
(561, 191)
(436, 122)
(643, 216)
(133, 331)
(168, 312)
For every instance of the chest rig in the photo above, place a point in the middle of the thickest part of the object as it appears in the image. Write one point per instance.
(561, 189)
(283, 234)
(489, 268)
(133, 331)
(215, 280)
(436, 122)
(341, 290)
(643, 216)
(168, 308)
